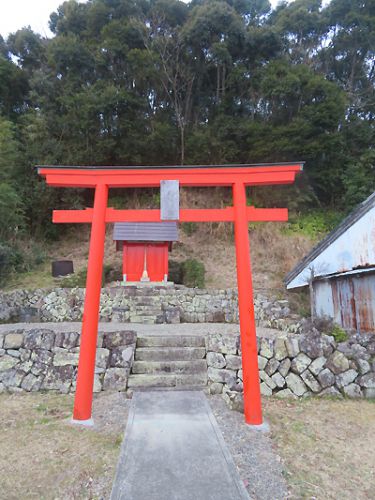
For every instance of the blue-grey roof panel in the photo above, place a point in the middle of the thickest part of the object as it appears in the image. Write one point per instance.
(145, 231)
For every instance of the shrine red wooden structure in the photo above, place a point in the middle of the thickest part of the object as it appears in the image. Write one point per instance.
(135, 255)
(145, 249)
(103, 178)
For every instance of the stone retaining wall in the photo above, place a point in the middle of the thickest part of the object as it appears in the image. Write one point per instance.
(295, 366)
(156, 304)
(41, 359)
(290, 365)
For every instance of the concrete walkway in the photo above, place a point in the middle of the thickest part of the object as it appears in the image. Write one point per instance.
(173, 450)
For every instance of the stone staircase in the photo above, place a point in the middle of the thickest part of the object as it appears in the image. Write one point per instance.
(174, 361)
(146, 309)
(143, 309)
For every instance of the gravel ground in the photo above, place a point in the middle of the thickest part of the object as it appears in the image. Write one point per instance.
(252, 451)
(177, 329)
(110, 411)
(259, 466)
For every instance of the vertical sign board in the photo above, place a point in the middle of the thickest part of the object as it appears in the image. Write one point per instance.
(169, 200)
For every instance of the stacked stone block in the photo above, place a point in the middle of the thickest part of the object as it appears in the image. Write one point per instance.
(295, 366)
(156, 304)
(42, 359)
(289, 365)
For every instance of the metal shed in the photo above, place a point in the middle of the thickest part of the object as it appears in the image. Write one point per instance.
(340, 271)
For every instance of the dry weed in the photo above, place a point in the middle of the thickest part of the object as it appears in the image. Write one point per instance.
(273, 252)
(327, 446)
(43, 456)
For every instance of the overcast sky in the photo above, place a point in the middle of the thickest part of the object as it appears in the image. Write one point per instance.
(19, 13)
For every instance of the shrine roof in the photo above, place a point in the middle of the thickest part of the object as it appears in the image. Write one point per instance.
(145, 231)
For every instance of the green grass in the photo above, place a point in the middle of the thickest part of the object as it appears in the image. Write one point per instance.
(39, 277)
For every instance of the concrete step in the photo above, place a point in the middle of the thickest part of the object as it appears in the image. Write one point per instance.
(145, 320)
(169, 353)
(174, 367)
(170, 341)
(185, 387)
(147, 301)
(143, 381)
(142, 309)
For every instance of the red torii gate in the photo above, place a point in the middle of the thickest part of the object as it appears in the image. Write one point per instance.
(103, 178)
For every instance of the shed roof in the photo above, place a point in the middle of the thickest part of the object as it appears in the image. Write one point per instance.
(353, 272)
(354, 242)
(145, 231)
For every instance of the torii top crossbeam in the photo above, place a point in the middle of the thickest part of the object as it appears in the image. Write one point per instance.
(103, 178)
(187, 175)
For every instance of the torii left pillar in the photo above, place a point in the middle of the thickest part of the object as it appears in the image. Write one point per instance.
(90, 321)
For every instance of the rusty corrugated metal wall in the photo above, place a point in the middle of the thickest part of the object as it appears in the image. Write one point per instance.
(349, 300)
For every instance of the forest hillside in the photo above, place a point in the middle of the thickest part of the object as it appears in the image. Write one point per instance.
(153, 82)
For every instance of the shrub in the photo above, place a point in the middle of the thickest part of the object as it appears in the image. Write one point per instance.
(79, 279)
(112, 273)
(19, 256)
(339, 334)
(11, 212)
(193, 273)
(11, 259)
(314, 224)
(34, 254)
(74, 280)
(175, 272)
(189, 228)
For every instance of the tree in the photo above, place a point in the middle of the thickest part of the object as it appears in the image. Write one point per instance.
(29, 49)
(303, 26)
(168, 51)
(11, 212)
(10, 152)
(349, 58)
(13, 88)
(215, 35)
(141, 82)
(359, 179)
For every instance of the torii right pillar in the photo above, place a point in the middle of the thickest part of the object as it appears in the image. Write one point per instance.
(251, 387)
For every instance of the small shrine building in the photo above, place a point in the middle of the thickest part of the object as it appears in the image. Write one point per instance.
(145, 247)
